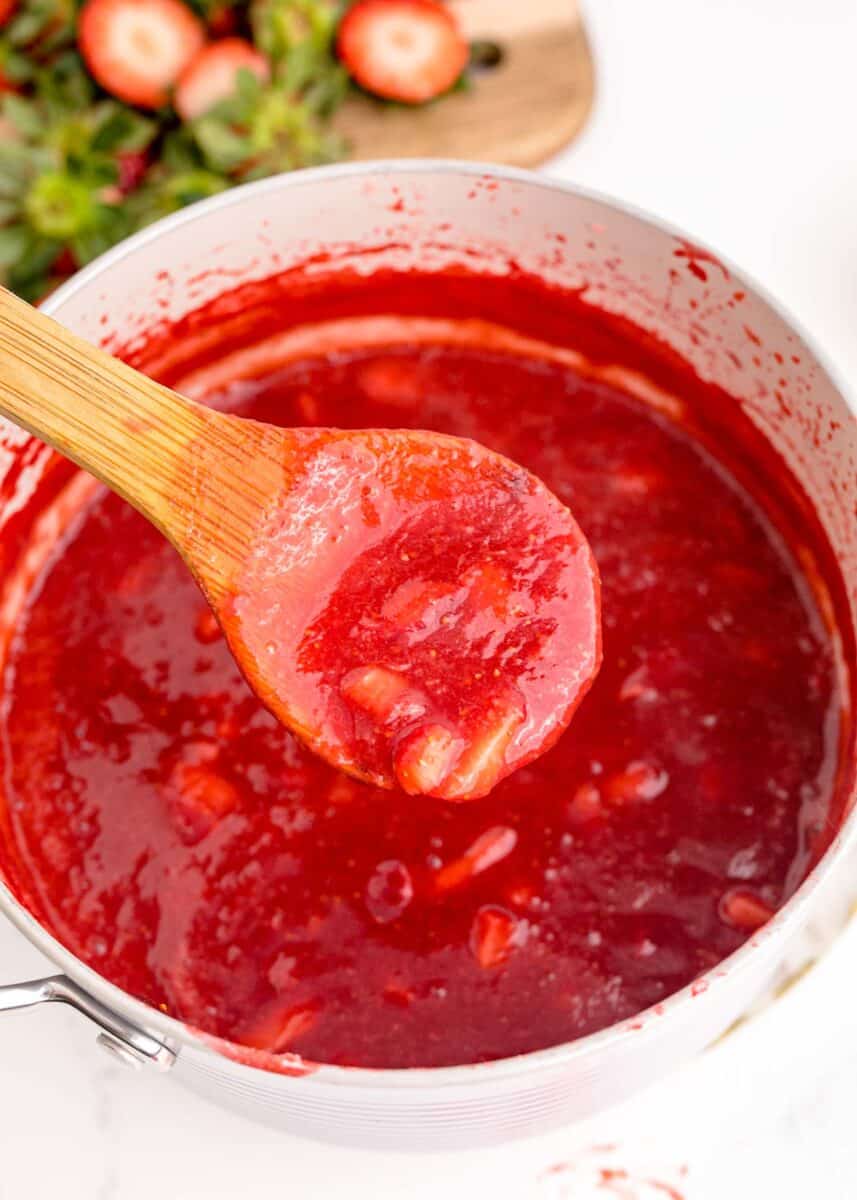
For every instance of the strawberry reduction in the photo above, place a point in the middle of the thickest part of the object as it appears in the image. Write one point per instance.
(422, 611)
(164, 826)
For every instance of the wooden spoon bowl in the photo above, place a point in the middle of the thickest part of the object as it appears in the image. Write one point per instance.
(419, 610)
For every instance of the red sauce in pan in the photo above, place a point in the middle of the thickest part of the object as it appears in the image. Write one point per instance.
(174, 836)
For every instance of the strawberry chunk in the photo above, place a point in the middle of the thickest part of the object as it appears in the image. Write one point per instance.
(495, 933)
(744, 910)
(277, 1028)
(484, 761)
(405, 50)
(389, 891)
(490, 847)
(377, 690)
(213, 75)
(425, 758)
(639, 781)
(137, 49)
(585, 805)
(202, 797)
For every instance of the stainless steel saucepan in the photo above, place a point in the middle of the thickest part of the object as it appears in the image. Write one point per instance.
(427, 212)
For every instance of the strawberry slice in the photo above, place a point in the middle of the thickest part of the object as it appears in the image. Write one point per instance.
(213, 75)
(405, 50)
(137, 49)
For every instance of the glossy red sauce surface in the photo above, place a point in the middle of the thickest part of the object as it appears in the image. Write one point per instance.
(423, 610)
(174, 836)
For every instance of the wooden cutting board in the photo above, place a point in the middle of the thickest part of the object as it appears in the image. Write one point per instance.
(526, 108)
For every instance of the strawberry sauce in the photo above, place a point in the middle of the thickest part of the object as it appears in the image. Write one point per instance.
(422, 611)
(179, 840)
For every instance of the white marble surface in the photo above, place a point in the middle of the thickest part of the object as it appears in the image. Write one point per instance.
(735, 119)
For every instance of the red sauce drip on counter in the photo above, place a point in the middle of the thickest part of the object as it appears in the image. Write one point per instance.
(177, 838)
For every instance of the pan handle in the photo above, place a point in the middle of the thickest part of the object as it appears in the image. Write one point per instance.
(125, 1042)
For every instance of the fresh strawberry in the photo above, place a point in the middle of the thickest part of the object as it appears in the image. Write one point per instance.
(7, 11)
(212, 75)
(137, 49)
(405, 50)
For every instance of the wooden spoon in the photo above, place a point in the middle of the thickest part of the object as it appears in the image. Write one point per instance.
(422, 612)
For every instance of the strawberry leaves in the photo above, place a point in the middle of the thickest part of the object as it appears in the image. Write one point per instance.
(81, 169)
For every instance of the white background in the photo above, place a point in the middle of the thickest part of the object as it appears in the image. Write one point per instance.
(736, 119)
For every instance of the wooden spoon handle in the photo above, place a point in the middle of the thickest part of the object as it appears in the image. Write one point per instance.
(127, 430)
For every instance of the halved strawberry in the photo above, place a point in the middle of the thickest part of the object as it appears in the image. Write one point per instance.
(405, 50)
(212, 76)
(7, 10)
(136, 49)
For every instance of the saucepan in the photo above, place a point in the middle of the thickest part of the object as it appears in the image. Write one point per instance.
(438, 213)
